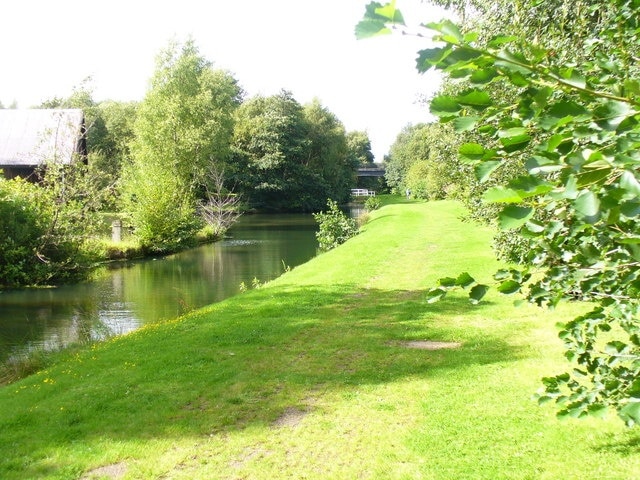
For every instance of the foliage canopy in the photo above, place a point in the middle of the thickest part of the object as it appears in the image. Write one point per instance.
(184, 124)
(289, 156)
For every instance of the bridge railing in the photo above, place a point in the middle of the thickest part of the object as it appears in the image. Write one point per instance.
(362, 192)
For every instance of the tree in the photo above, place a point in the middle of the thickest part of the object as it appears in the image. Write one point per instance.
(186, 118)
(107, 158)
(221, 208)
(582, 125)
(184, 123)
(417, 179)
(432, 146)
(405, 150)
(272, 144)
(359, 148)
(290, 157)
(328, 153)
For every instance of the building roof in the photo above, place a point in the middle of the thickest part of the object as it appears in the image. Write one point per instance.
(31, 137)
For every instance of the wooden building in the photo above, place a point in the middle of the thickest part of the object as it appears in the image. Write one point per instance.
(31, 138)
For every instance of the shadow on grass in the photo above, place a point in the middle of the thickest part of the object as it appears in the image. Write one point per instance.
(237, 364)
(625, 448)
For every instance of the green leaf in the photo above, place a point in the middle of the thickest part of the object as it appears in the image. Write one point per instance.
(502, 274)
(615, 347)
(573, 78)
(435, 295)
(455, 71)
(539, 164)
(544, 399)
(484, 170)
(632, 87)
(509, 286)
(587, 206)
(390, 13)
(464, 280)
(630, 413)
(512, 141)
(534, 227)
(445, 106)
(376, 19)
(513, 62)
(629, 182)
(462, 124)
(518, 79)
(597, 410)
(471, 37)
(530, 186)
(447, 282)
(557, 142)
(512, 132)
(514, 216)
(478, 99)
(472, 151)
(593, 175)
(570, 189)
(431, 57)
(611, 114)
(630, 209)
(477, 293)
(567, 109)
(368, 28)
(449, 30)
(501, 195)
(460, 57)
(484, 75)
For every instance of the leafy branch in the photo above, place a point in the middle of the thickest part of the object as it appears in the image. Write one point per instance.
(576, 204)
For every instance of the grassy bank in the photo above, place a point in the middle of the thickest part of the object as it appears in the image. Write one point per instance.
(315, 376)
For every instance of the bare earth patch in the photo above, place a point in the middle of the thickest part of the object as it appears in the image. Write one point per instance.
(429, 345)
(114, 471)
(290, 418)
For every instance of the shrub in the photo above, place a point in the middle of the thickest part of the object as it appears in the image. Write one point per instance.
(372, 203)
(21, 230)
(45, 228)
(162, 210)
(335, 227)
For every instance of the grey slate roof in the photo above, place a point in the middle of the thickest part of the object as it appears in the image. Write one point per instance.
(31, 137)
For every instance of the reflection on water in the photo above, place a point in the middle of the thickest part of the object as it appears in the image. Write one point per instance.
(135, 293)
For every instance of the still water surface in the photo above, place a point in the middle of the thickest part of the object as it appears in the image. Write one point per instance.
(132, 294)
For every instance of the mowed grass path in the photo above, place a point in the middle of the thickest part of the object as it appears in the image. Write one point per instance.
(309, 377)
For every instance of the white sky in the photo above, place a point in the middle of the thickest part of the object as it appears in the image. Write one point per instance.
(308, 47)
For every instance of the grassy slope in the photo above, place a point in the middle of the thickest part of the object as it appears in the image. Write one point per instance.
(306, 378)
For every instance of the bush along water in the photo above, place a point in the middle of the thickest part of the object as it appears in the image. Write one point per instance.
(335, 227)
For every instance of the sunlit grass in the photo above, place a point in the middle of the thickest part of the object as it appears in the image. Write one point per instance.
(309, 377)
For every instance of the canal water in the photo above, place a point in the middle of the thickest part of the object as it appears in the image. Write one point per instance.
(129, 295)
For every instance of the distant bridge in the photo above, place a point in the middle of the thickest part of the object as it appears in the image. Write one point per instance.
(371, 172)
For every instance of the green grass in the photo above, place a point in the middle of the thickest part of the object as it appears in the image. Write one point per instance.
(308, 377)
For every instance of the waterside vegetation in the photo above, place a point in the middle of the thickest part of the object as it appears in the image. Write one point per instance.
(338, 369)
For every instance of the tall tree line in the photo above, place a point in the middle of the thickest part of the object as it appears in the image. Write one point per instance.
(193, 141)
